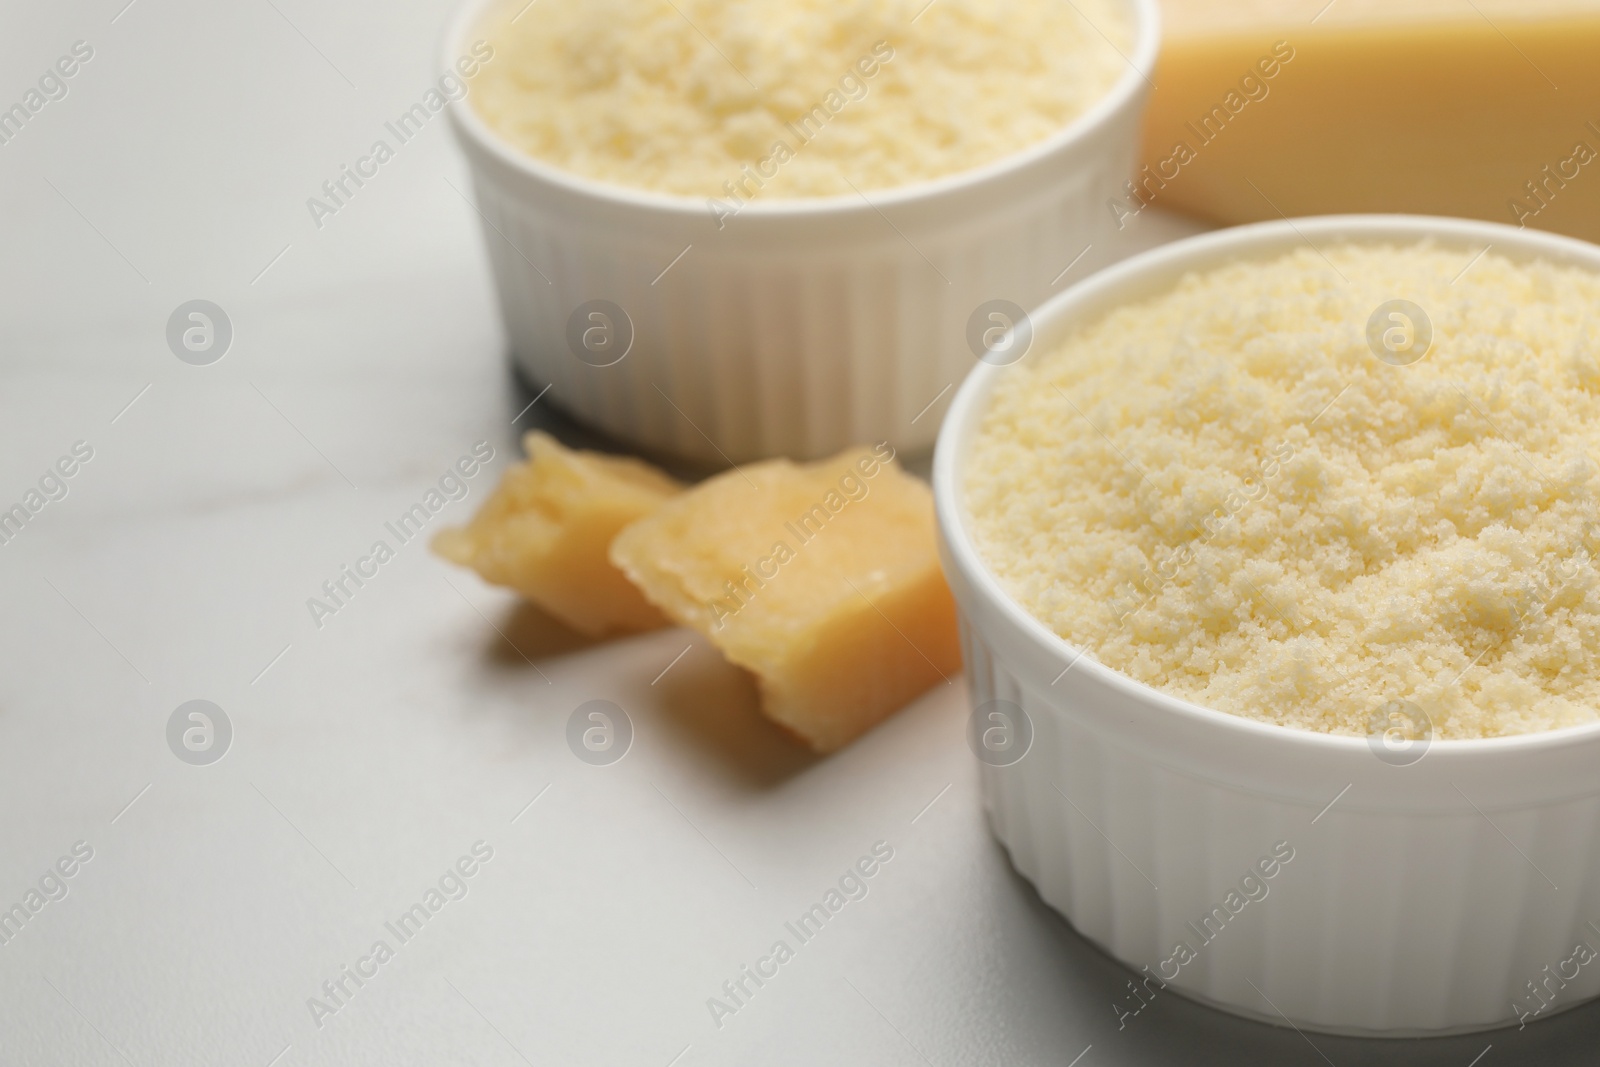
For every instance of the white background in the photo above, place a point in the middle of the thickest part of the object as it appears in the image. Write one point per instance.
(371, 754)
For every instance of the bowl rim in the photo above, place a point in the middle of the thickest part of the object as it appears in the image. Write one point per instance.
(1124, 94)
(1154, 270)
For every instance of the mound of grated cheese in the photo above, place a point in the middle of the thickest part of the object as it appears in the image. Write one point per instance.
(681, 96)
(1222, 492)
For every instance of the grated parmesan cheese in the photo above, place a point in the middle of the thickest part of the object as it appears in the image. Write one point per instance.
(684, 96)
(1224, 493)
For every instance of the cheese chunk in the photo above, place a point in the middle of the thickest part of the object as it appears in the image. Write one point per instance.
(546, 531)
(1482, 108)
(823, 580)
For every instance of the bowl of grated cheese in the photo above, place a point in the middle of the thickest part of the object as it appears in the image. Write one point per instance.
(735, 230)
(1280, 554)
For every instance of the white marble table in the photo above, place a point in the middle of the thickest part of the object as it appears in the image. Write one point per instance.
(370, 755)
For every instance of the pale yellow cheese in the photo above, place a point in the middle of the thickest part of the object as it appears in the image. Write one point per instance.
(1225, 493)
(547, 529)
(822, 580)
(696, 96)
(1444, 107)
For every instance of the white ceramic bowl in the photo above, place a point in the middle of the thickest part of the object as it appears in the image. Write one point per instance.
(802, 326)
(1419, 899)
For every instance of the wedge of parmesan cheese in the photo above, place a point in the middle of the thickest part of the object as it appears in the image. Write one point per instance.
(822, 580)
(1481, 108)
(546, 531)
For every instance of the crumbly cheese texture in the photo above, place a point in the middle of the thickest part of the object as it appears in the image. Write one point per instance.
(822, 579)
(1222, 492)
(547, 529)
(681, 96)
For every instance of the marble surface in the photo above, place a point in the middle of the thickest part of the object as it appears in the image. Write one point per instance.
(425, 718)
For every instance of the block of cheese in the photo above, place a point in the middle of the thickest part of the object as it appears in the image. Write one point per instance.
(546, 531)
(822, 580)
(1482, 108)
